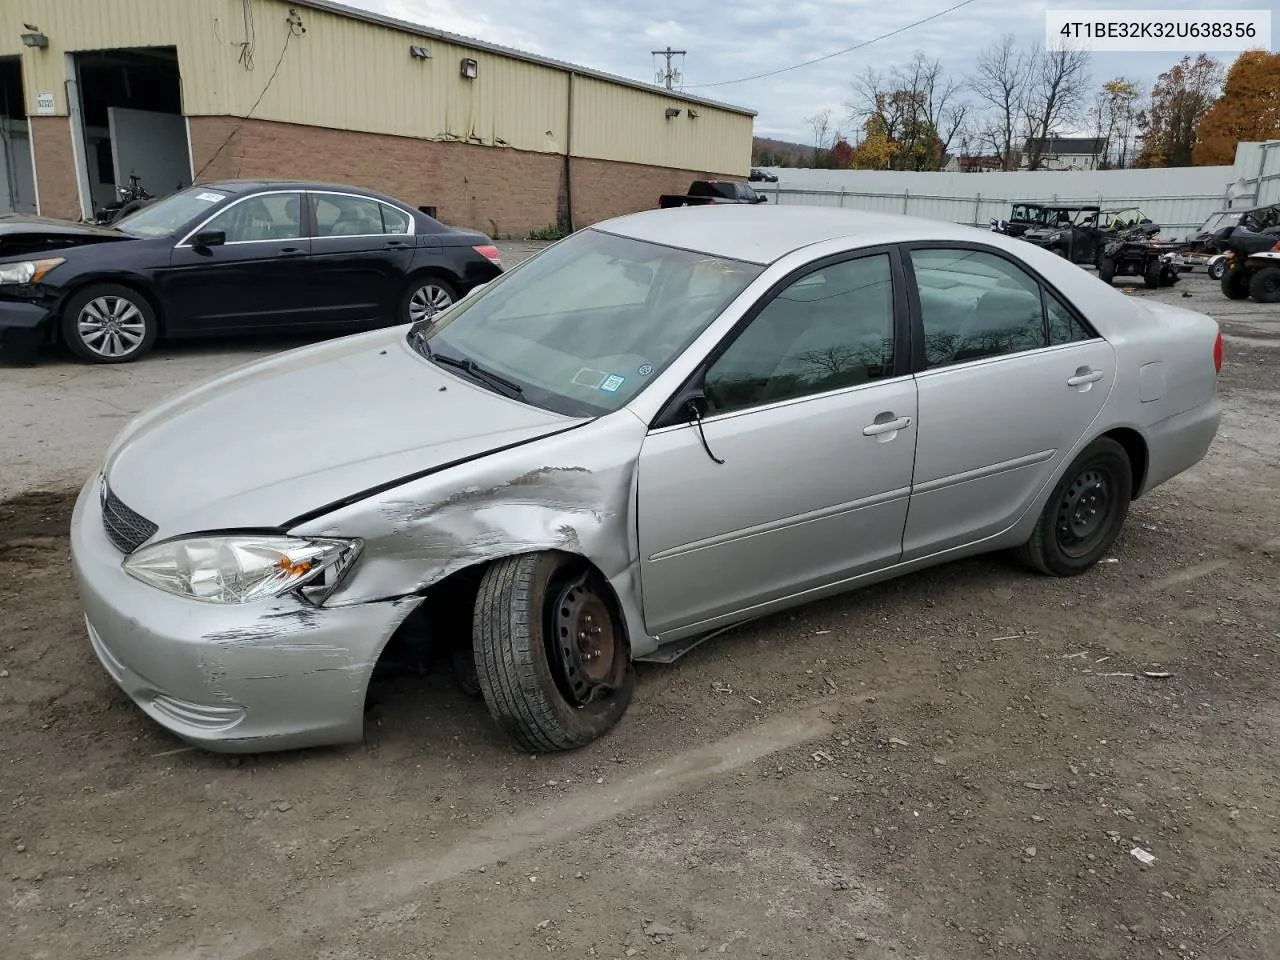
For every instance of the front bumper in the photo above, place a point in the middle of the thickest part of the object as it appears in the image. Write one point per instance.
(230, 678)
(24, 326)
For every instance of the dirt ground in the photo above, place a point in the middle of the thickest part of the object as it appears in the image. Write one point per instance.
(956, 765)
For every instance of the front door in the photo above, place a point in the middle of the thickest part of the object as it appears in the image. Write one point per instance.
(361, 249)
(799, 474)
(1012, 379)
(260, 278)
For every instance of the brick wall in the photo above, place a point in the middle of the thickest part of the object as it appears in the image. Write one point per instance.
(57, 191)
(496, 190)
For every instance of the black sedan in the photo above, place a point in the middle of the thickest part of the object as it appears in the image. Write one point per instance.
(228, 258)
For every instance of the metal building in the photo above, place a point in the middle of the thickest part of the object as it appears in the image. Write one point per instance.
(182, 91)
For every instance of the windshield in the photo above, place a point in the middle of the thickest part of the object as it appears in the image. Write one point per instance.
(1028, 211)
(165, 216)
(585, 325)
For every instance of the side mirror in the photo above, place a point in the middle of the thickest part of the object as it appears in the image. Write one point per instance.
(209, 238)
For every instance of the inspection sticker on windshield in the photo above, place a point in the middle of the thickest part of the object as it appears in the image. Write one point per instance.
(586, 377)
(645, 369)
(211, 197)
(612, 383)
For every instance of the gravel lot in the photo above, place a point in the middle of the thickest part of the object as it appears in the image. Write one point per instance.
(954, 765)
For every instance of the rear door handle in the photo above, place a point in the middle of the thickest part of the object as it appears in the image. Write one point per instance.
(291, 252)
(396, 245)
(1085, 376)
(882, 427)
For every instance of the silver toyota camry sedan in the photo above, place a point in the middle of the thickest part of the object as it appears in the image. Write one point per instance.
(659, 427)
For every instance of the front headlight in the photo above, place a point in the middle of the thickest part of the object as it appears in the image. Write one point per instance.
(1055, 238)
(29, 271)
(242, 569)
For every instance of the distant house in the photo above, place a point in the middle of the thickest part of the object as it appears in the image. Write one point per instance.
(1066, 153)
(972, 164)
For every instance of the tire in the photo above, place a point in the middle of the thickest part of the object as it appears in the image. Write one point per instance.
(536, 694)
(1107, 269)
(133, 206)
(425, 297)
(1216, 270)
(108, 323)
(1235, 284)
(1151, 274)
(1059, 251)
(1065, 543)
(1264, 286)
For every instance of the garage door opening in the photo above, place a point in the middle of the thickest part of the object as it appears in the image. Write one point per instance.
(17, 181)
(131, 122)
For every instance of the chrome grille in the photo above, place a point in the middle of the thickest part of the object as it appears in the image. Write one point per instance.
(125, 528)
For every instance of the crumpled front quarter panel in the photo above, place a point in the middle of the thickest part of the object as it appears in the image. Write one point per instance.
(573, 491)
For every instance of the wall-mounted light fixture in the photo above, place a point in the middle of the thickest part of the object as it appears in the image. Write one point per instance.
(470, 69)
(672, 113)
(34, 38)
(420, 53)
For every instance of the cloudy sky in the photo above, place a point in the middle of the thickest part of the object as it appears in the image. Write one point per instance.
(726, 41)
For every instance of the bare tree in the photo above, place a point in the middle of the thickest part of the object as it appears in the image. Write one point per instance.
(916, 107)
(820, 123)
(1112, 120)
(1002, 81)
(1058, 89)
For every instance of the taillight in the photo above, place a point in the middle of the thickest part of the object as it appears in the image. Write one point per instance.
(490, 253)
(1276, 246)
(1217, 354)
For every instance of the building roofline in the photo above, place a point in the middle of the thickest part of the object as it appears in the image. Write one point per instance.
(420, 30)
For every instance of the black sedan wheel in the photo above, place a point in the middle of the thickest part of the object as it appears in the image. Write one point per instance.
(426, 297)
(551, 656)
(106, 323)
(1085, 513)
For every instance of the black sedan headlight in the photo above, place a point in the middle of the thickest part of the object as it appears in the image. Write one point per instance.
(27, 271)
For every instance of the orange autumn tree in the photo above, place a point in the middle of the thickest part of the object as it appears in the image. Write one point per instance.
(1249, 109)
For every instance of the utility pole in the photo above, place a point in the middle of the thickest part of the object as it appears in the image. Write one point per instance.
(667, 75)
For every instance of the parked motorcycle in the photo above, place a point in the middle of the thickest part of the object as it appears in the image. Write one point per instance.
(131, 198)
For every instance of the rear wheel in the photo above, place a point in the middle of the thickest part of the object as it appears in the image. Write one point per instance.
(1217, 269)
(551, 654)
(1107, 269)
(1235, 284)
(108, 323)
(1084, 514)
(1265, 285)
(426, 297)
(1151, 274)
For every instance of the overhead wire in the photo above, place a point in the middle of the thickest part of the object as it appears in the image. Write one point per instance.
(832, 56)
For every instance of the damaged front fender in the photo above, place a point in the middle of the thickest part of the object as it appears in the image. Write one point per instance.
(572, 492)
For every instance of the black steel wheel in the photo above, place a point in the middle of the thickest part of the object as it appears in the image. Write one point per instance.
(551, 652)
(1235, 283)
(1083, 516)
(1151, 274)
(1264, 286)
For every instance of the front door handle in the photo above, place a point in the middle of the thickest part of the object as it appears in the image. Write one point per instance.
(291, 252)
(885, 426)
(1084, 376)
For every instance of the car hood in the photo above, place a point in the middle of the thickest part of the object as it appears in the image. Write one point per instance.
(23, 235)
(306, 429)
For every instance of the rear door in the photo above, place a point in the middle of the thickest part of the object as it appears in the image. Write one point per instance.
(1010, 377)
(361, 249)
(259, 279)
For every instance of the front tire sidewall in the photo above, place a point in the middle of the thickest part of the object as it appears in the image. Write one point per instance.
(512, 665)
(1050, 557)
(70, 326)
(1107, 269)
(1235, 284)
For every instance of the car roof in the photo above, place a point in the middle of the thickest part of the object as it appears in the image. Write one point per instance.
(235, 187)
(763, 233)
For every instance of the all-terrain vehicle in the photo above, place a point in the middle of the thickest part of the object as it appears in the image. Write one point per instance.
(1073, 232)
(1253, 265)
(1023, 217)
(1139, 252)
(1207, 246)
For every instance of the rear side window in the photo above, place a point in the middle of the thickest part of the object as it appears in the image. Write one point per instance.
(393, 220)
(1063, 325)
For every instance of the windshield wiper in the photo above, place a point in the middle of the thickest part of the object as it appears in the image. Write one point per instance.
(475, 371)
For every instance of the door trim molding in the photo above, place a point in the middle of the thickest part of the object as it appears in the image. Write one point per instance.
(981, 473)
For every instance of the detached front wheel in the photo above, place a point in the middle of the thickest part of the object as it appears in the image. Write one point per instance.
(551, 653)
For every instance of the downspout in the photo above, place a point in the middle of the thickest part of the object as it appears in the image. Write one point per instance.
(568, 158)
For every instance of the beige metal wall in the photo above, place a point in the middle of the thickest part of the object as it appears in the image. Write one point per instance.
(354, 75)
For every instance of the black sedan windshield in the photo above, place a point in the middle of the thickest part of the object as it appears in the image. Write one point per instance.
(165, 216)
(584, 326)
